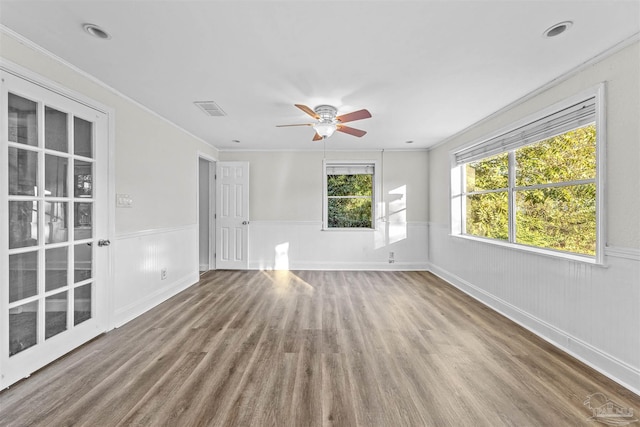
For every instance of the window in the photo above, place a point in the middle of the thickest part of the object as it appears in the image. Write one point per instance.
(349, 189)
(535, 186)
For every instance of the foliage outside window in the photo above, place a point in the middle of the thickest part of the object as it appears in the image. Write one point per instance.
(349, 190)
(542, 193)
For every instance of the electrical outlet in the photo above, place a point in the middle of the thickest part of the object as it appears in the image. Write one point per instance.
(163, 274)
(391, 258)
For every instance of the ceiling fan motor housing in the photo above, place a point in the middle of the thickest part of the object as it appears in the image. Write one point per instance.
(327, 113)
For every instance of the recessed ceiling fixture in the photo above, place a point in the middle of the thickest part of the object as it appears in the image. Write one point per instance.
(556, 30)
(96, 31)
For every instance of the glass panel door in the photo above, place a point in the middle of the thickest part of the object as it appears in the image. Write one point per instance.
(54, 265)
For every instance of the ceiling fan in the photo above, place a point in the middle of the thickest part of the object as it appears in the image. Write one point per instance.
(327, 121)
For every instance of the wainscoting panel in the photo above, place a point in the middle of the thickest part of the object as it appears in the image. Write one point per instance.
(589, 311)
(303, 245)
(139, 261)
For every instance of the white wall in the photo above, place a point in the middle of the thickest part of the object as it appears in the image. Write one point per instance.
(590, 311)
(155, 163)
(285, 204)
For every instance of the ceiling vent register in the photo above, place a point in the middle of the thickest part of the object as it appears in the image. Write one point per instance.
(210, 108)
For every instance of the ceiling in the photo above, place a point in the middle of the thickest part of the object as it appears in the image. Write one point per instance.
(424, 69)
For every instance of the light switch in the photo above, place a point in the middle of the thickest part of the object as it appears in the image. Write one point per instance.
(124, 201)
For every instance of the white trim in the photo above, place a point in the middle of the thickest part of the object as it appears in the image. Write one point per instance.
(545, 87)
(608, 365)
(350, 266)
(152, 231)
(93, 79)
(129, 312)
(317, 150)
(620, 252)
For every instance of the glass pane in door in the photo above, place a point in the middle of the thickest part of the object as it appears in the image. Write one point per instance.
(23, 224)
(82, 304)
(83, 221)
(23, 172)
(23, 327)
(55, 176)
(23, 275)
(23, 120)
(82, 137)
(56, 268)
(83, 176)
(82, 264)
(55, 316)
(55, 130)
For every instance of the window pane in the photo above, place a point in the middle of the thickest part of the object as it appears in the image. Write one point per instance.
(567, 157)
(82, 262)
(562, 218)
(491, 173)
(350, 185)
(23, 172)
(23, 224)
(55, 175)
(56, 268)
(55, 130)
(83, 228)
(56, 222)
(23, 327)
(82, 137)
(349, 213)
(23, 276)
(82, 304)
(23, 121)
(83, 182)
(55, 314)
(487, 215)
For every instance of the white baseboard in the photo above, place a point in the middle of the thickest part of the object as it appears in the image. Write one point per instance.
(617, 370)
(127, 313)
(347, 266)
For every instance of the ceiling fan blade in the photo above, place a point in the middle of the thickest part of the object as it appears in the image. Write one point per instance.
(308, 110)
(317, 137)
(350, 131)
(356, 115)
(286, 126)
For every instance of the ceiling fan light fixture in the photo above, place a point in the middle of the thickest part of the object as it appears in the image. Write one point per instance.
(325, 130)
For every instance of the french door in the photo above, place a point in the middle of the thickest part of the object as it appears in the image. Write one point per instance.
(53, 214)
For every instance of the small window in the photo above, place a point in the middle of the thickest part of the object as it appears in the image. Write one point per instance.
(535, 186)
(349, 189)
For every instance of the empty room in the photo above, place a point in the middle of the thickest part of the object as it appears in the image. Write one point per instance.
(319, 213)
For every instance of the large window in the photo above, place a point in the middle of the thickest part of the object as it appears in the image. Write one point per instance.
(535, 186)
(349, 201)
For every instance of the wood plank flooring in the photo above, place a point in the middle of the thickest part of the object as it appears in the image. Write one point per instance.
(313, 348)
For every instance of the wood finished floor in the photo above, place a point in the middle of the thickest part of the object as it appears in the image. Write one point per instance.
(311, 348)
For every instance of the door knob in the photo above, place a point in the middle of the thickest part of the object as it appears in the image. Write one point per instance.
(245, 222)
(102, 242)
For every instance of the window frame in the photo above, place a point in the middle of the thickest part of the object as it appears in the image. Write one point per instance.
(457, 191)
(375, 193)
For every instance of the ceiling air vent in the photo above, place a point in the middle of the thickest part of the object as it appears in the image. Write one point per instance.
(210, 108)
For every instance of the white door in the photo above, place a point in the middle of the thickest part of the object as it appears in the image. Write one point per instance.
(53, 214)
(232, 215)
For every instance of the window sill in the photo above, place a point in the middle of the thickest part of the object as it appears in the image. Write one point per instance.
(530, 249)
(348, 229)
